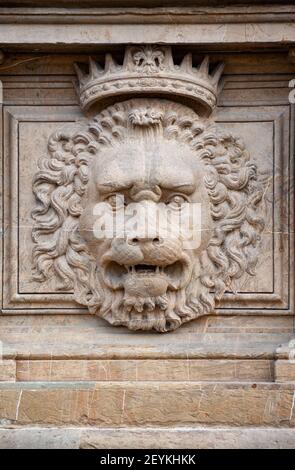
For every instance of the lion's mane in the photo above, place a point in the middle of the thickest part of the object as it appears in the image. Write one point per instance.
(61, 182)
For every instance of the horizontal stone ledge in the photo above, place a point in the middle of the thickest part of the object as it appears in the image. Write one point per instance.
(60, 35)
(69, 353)
(147, 438)
(116, 385)
(145, 370)
(169, 14)
(75, 344)
(147, 404)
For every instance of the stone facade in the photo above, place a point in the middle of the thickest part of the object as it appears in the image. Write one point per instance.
(97, 124)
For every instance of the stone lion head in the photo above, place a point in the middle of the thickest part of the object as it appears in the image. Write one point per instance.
(147, 152)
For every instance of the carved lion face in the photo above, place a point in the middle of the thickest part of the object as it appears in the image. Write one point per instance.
(141, 162)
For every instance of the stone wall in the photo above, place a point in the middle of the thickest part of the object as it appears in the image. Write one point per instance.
(224, 377)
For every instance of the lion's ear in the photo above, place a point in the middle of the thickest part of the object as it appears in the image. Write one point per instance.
(62, 143)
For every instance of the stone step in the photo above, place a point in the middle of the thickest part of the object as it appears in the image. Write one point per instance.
(147, 404)
(147, 438)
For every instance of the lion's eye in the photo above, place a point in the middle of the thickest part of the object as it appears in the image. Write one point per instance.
(116, 201)
(176, 201)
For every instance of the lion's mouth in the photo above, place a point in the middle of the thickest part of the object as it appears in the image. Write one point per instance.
(116, 274)
(143, 269)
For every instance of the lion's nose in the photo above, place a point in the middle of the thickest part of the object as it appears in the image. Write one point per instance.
(144, 240)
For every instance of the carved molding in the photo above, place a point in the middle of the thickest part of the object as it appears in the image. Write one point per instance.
(257, 26)
(133, 15)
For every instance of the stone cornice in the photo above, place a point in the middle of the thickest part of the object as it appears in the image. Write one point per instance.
(228, 27)
(134, 3)
(164, 15)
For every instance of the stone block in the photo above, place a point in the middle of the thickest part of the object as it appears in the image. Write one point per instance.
(285, 370)
(148, 403)
(144, 370)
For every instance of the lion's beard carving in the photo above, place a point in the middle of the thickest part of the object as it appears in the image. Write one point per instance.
(161, 313)
(61, 182)
(145, 302)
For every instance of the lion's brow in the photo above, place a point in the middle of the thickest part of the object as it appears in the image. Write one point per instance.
(113, 186)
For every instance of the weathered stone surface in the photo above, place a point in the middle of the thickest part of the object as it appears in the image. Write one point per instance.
(9, 402)
(148, 403)
(222, 346)
(230, 34)
(231, 370)
(285, 370)
(39, 438)
(85, 337)
(142, 370)
(7, 370)
(189, 438)
(147, 438)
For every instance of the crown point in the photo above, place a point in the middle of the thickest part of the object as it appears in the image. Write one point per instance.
(80, 74)
(128, 62)
(204, 67)
(217, 72)
(94, 68)
(169, 57)
(187, 63)
(110, 63)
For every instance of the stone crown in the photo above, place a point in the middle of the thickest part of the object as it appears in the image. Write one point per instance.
(150, 71)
